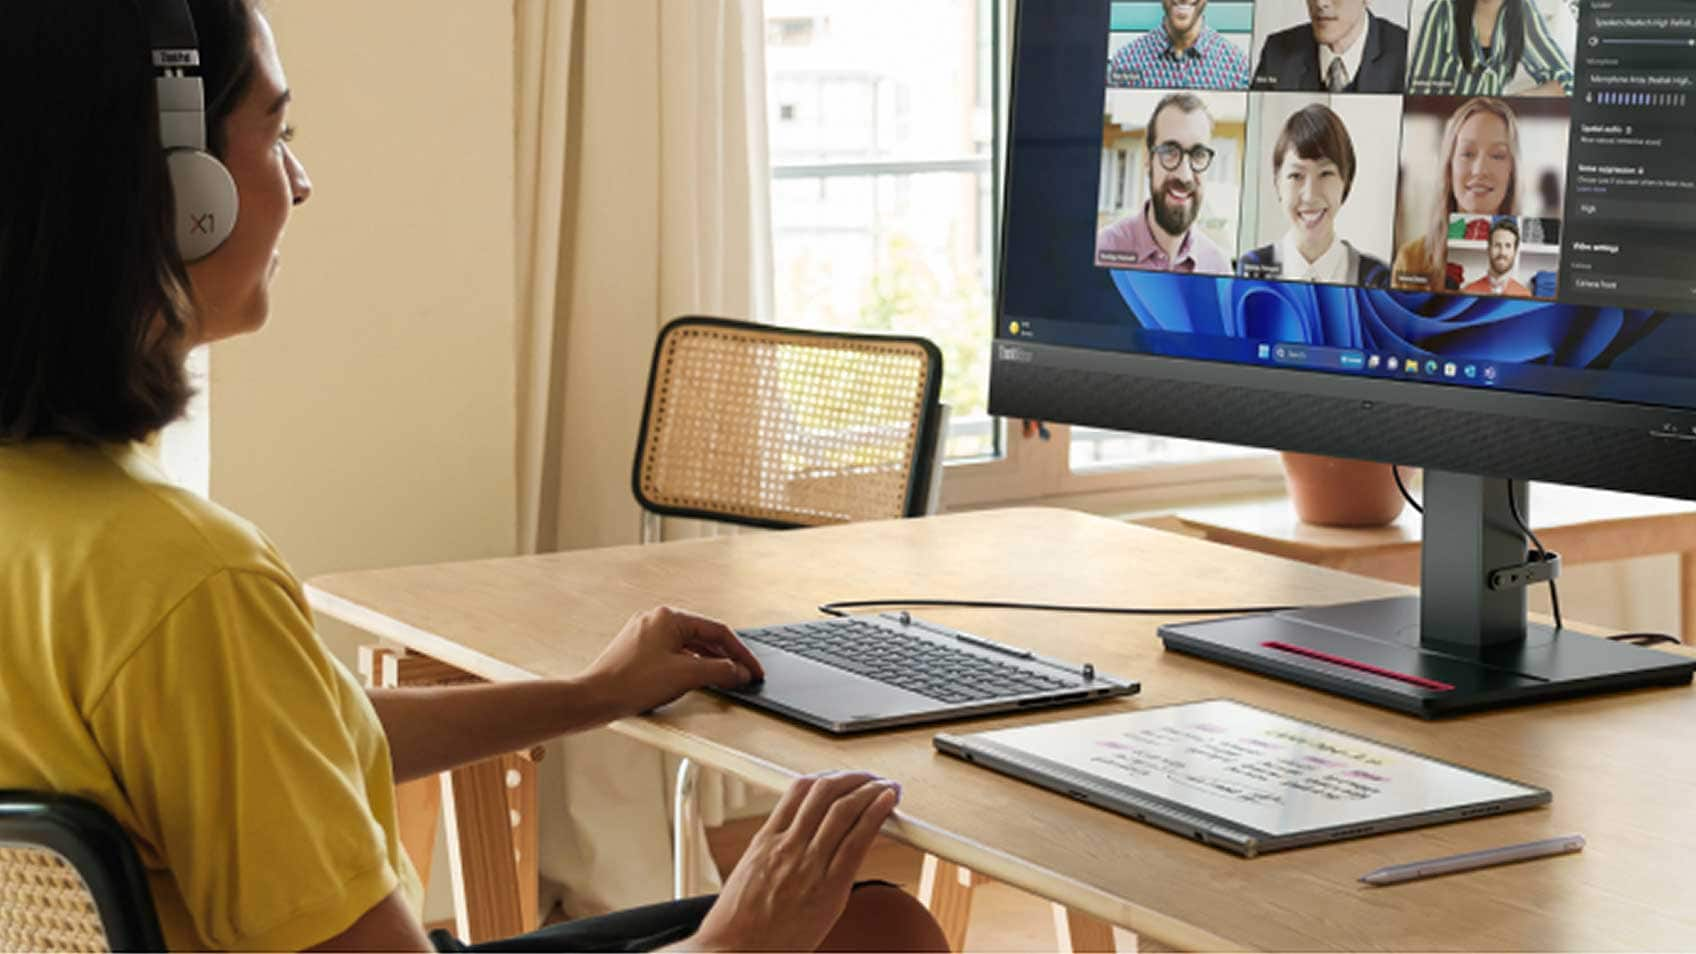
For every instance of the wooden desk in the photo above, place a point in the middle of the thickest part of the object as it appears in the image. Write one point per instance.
(1582, 525)
(1607, 760)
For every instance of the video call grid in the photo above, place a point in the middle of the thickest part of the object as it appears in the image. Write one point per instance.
(1370, 224)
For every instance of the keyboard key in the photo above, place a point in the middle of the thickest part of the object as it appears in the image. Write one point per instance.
(890, 655)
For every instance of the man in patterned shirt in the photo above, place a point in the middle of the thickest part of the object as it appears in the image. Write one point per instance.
(1182, 53)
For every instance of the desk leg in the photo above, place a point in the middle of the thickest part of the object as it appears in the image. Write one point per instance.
(1687, 596)
(945, 889)
(521, 799)
(480, 852)
(491, 811)
(1076, 931)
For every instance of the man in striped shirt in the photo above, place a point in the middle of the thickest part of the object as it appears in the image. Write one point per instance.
(1183, 52)
(1474, 48)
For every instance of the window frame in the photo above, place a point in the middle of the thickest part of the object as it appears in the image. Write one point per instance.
(1036, 469)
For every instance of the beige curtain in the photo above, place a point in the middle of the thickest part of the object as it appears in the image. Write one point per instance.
(642, 182)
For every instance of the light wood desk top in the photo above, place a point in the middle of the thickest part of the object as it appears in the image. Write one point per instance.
(1619, 767)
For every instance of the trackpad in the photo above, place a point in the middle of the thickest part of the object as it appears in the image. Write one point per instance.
(790, 674)
(796, 683)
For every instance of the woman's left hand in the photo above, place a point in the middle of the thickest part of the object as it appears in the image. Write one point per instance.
(664, 653)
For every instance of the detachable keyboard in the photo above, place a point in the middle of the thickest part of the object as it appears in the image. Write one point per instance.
(892, 669)
(917, 665)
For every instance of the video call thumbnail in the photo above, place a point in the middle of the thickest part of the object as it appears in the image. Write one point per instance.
(1528, 50)
(1320, 193)
(1335, 46)
(1171, 180)
(1473, 157)
(1505, 255)
(1180, 44)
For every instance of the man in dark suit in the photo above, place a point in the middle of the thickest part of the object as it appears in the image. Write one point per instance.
(1342, 49)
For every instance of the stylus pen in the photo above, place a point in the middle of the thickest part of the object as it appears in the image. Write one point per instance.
(1432, 867)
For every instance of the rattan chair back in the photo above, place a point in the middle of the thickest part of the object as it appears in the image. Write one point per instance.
(778, 427)
(70, 879)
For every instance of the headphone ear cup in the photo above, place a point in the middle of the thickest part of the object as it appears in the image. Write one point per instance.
(206, 199)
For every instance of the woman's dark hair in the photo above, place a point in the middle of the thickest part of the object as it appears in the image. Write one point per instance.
(95, 305)
(1510, 39)
(1315, 132)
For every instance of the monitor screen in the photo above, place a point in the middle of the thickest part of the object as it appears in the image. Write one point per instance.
(1449, 192)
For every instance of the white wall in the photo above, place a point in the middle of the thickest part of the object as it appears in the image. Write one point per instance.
(372, 421)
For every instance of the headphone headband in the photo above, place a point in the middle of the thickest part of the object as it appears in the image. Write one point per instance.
(172, 30)
(205, 195)
(182, 95)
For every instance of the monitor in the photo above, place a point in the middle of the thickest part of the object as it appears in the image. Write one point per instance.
(1369, 231)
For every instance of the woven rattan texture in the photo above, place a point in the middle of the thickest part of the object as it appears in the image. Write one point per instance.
(44, 904)
(773, 426)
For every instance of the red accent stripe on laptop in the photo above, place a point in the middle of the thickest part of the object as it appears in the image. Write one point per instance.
(1356, 664)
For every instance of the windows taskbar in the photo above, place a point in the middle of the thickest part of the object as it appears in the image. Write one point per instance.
(1408, 365)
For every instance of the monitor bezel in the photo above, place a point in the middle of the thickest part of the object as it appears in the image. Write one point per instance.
(1665, 435)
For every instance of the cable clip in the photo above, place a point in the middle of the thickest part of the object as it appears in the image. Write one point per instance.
(1536, 569)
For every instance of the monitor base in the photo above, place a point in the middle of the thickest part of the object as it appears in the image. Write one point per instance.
(1372, 651)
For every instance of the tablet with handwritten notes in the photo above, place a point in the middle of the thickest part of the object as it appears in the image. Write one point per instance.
(1240, 778)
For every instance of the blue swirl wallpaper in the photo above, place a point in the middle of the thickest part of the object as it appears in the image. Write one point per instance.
(1504, 330)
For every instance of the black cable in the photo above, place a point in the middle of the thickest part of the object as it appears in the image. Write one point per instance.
(1542, 555)
(1645, 639)
(836, 608)
(1397, 473)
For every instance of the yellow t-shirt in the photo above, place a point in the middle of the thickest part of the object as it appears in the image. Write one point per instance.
(159, 659)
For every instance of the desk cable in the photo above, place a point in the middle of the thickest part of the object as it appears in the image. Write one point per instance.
(1544, 559)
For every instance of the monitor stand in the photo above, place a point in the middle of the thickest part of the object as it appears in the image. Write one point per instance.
(1459, 646)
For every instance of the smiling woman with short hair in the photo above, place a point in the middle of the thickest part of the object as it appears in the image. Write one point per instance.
(1313, 167)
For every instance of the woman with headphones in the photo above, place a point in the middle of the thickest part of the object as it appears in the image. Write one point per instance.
(159, 656)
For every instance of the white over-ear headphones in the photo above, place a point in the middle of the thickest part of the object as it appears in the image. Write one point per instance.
(205, 193)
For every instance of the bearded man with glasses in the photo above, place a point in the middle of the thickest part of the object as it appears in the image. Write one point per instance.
(1161, 236)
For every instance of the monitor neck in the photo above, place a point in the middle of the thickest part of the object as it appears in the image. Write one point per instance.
(1469, 533)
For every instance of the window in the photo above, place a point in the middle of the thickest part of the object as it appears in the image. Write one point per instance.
(882, 194)
(884, 130)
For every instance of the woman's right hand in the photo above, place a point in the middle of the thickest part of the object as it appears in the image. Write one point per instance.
(662, 654)
(793, 883)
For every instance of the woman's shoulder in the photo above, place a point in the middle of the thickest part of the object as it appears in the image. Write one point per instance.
(115, 504)
(221, 537)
